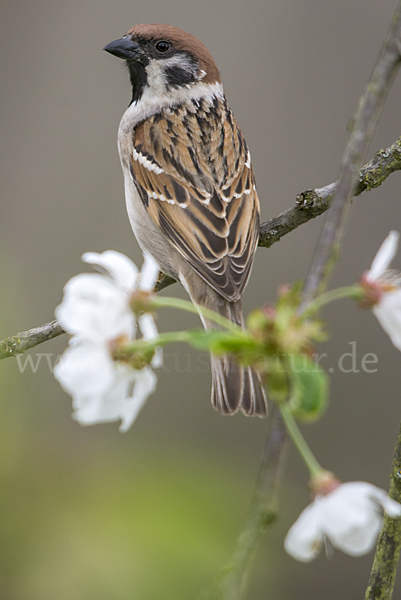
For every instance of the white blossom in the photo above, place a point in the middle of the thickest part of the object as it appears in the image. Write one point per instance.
(350, 517)
(94, 308)
(124, 274)
(383, 289)
(96, 311)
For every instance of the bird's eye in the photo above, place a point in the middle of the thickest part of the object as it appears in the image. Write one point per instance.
(163, 46)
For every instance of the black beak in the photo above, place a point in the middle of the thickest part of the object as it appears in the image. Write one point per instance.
(124, 48)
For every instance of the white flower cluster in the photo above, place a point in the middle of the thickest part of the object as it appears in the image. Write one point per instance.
(386, 287)
(96, 311)
(350, 517)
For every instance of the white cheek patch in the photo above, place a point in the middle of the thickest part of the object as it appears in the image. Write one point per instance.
(157, 73)
(185, 64)
(156, 81)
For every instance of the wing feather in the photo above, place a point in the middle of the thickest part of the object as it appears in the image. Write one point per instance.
(192, 168)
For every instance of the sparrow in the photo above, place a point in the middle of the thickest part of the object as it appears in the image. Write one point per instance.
(189, 186)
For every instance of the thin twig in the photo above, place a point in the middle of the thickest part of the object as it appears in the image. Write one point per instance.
(309, 204)
(364, 123)
(18, 344)
(382, 578)
(312, 203)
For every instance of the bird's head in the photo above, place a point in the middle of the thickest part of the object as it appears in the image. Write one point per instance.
(164, 60)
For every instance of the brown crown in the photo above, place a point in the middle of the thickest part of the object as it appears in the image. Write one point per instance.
(182, 41)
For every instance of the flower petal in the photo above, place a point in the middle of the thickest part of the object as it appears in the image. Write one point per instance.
(304, 539)
(108, 406)
(84, 368)
(390, 506)
(157, 360)
(350, 519)
(388, 313)
(148, 326)
(384, 256)
(149, 274)
(359, 539)
(90, 409)
(115, 265)
(113, 402)
(94, 307)
(145, 384)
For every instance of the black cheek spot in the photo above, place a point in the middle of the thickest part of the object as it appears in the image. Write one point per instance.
(177, 76)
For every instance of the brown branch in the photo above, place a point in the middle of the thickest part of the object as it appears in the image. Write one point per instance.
(384, 568)
(18, 344)
(309, 204)
(312, 203)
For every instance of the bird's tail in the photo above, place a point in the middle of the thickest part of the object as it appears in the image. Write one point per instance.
(234, 388)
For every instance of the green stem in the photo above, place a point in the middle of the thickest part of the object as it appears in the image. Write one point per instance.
(350, 291)
(195, 308)
(299, 441)
(161, 340)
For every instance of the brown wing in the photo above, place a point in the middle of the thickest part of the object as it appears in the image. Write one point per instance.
(192, 169)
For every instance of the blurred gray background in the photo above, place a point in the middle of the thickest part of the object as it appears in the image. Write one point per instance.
(89, 513)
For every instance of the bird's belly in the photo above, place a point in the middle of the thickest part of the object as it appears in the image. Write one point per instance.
(149, 236)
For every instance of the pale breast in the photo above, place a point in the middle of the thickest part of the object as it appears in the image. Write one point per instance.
(149, 237)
